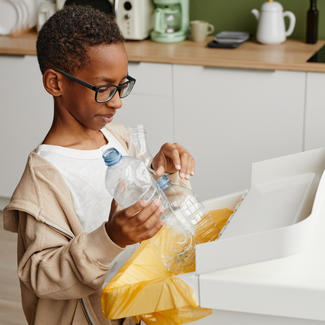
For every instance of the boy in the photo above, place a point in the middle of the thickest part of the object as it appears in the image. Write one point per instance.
(68, 232)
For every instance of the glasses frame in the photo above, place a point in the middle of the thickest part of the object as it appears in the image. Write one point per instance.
(96, 89)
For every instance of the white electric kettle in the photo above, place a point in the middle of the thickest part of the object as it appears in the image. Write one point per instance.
(271, 26)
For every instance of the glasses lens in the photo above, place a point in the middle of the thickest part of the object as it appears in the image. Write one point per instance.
(126, 90)
(105, 93)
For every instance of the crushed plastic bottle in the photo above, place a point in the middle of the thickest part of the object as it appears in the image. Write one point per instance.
(189, 214)
(186, 213)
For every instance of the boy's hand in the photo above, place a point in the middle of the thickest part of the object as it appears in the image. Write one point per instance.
(134, 224)
(171, 158)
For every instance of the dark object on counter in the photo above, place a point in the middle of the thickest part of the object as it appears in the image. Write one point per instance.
(220, 45)
(103, 5)
(228, 40)
(319, 56)
(312, 23)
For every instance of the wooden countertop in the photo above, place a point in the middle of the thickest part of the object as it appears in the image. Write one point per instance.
(291, 55)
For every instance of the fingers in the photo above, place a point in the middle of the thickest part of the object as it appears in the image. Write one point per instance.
(145, 223)
(136, 223)
(173, 157)
(114, 208)
(174, 154)
(167, 159)
(131, 211)
(188, 165)
(152, 223)
(142, 219)
(160, 162)
(185, 165)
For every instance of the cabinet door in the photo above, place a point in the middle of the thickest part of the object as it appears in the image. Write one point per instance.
(230, 118)
(26, 115)
(315, 112)
(150, 103)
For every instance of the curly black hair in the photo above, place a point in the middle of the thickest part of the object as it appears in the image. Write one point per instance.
(63, 40)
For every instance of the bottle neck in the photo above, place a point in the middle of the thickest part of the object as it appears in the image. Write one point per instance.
(138, 145)
(313, 4)
(166, 187)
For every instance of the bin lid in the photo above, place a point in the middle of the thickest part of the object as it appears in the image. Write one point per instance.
(274, 219)
(270, 205)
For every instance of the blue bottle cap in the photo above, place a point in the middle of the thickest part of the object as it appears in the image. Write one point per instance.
(163, 182)
(111, 156)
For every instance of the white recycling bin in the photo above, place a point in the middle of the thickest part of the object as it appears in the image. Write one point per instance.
(280, 215)
(272, 219)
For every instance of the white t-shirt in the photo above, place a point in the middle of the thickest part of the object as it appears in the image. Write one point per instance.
(84, 173)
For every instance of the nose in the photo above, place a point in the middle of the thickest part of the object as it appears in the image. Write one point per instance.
(115, 102)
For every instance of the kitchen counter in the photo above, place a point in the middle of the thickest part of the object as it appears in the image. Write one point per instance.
(290, 56)
(288, 287)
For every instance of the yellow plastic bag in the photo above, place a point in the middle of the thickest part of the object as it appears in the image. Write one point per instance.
(145, 289)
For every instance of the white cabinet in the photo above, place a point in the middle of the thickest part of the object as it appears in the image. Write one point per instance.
(315, 111)
(150, 103)
(230, 118)
(26, 115)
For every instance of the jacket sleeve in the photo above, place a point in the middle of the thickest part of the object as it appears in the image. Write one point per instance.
(54, 267)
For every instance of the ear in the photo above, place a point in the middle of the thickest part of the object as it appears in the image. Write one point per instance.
(52, 82)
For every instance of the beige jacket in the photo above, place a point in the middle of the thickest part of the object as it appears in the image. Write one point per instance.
(61, 268)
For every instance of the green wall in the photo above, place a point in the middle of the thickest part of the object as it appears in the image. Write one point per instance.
(236, 14)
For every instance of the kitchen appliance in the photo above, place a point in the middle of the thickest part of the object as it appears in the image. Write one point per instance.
(134, 17)
(171, 21)
(271, 27)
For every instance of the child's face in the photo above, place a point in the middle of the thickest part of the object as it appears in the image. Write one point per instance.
(108, 64)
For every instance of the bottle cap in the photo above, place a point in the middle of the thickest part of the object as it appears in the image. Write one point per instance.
(163, 182)
(111, 156)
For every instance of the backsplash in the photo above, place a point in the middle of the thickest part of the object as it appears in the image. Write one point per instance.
(236, 14)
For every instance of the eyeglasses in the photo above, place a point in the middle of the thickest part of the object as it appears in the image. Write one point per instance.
(104, 93)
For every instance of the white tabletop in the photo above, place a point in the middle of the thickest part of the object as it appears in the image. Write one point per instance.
(293, 286)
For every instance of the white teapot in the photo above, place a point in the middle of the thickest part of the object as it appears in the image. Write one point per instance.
(271, 27)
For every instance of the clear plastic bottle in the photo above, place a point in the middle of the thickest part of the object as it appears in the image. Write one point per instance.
(128, 180)
(187, 209)
(138, 144)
